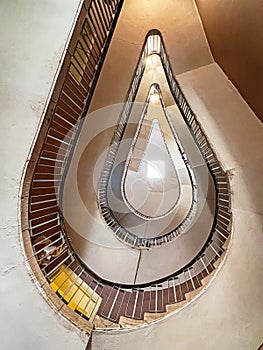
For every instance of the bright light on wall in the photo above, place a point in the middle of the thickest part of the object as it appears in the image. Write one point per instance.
(153, 44)
(152, 60)
(155, 169)
(154, 94)
(154, 98)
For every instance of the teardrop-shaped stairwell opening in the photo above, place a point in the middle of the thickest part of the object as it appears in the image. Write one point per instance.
(112, 229)
(151, 185)
(108, 264)
(160, 211)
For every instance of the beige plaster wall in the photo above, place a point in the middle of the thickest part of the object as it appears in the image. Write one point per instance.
(183, 34)
(33, 37)
(229, 314)
(235, 33)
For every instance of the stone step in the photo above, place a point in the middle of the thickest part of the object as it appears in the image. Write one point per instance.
(127, 322)
(219, 260)
(100, 322)
(151, 316)
(208, 278)
(189, 296)
(225, 245)
(172, 307)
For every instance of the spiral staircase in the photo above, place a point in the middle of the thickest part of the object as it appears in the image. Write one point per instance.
(76, 290)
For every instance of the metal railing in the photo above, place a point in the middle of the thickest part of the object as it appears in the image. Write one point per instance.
(153, 44)
(81, 289)
(121, 232)
(69, 102)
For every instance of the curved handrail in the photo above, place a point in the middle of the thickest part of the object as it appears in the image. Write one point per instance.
(46, 244)
(45, 241)
(122, 233)
(125, 172)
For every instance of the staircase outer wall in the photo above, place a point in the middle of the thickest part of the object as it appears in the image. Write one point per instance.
(34, 34)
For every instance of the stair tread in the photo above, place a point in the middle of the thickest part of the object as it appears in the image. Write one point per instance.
(219, 260)
(130, 322)
(225, 245)
(101, 322)
(175, 306)
(207, 279)
(189, 296)
(152, 316)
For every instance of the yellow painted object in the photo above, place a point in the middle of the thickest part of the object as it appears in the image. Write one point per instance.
(75, 292)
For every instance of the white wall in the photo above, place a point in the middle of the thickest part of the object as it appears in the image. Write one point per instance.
(33, 37)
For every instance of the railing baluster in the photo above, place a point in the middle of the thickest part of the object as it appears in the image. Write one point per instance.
(67, 113)
(135, 303)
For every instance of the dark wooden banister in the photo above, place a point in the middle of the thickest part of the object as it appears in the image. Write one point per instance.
(45, 239)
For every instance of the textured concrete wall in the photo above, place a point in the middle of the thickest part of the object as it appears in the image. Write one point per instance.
(235, 33)
(33, 37)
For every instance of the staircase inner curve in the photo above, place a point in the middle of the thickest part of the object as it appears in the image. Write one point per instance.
(155, 170)
(112, 227)
(94, 271)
